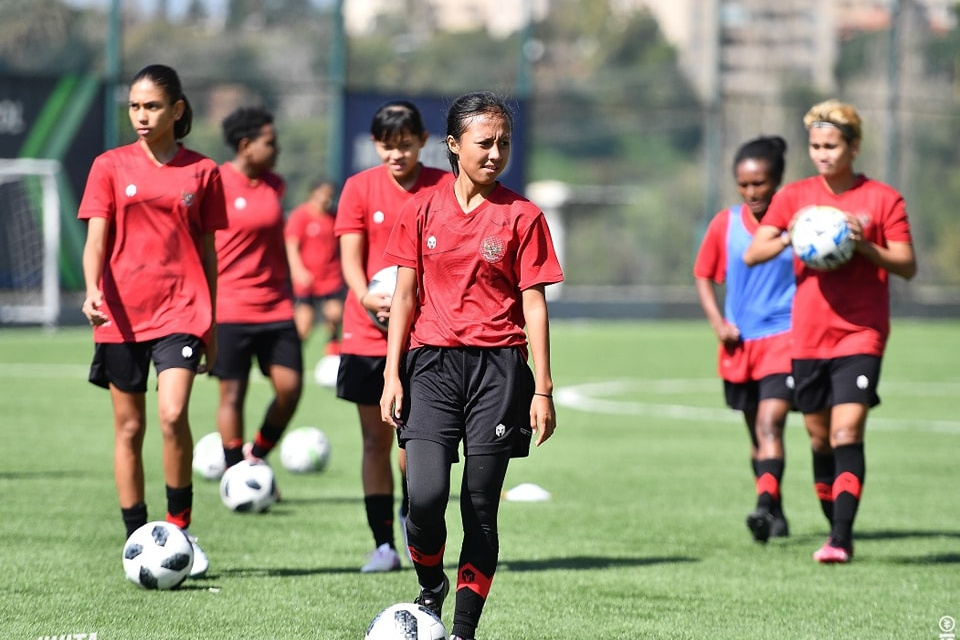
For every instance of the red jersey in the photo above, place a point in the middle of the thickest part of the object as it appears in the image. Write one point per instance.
(319, 249)
(254, 282)
(369, 204)
(153, 281)
(846, 311)
(472, 267)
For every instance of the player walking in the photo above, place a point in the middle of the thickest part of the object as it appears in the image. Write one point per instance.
(841, 318)
(150, 270)
(368, 208)
(754, 326)
(474, 262)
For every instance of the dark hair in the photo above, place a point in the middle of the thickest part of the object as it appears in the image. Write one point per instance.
(322, 181)
(244, 123)
(167, 79)
(467, 107)
(395, 117)
(769, 148)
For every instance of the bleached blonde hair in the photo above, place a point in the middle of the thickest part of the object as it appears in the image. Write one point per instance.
(833, 113)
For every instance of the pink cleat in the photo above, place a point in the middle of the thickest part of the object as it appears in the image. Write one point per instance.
(830, 554)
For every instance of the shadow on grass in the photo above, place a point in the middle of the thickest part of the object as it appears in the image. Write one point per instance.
(587, 563)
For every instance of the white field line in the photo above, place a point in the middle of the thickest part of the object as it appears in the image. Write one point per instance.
(608, 397)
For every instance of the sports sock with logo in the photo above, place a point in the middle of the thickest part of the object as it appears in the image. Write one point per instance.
(847, 488)
(824, 472)
(267, 438)
(180, 505)
(769, 475)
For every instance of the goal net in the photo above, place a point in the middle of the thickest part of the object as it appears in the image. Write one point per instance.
(29, 241)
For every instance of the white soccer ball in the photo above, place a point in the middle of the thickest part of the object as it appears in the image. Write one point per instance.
(208, 460)
(248, 487)
(158, 555)
(821, 238)
(304, 450)
(326, 372)
(383, 282)
(406, 621)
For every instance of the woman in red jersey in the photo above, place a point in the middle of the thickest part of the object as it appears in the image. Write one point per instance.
(150, 270)
(254, 301)
(368, 207)
(474, 259)
(841, 318)
(753, 327)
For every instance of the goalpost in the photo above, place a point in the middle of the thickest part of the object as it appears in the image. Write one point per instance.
(29, 241)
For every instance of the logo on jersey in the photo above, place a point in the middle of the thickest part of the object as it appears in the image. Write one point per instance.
(432, 242)
(492, 249)
(131, 190)
(240, 203)
(500, 430)
(187, 198)
(378, 217)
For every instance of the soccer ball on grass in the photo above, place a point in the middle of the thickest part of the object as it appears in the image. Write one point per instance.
(158, 555)
(208, 460)
(305, 450)
(821, 238)
(248, 487)
(406, 621)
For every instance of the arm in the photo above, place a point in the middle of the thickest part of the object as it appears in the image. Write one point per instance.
(897, 257)
(93, 255)
(298, 271)
(209, 259)
(726, 332)
(401, 313)
(542, 413)
(355, 275)
(767, 243)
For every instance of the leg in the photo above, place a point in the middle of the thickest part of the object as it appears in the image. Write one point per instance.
(287, 388)
(771, 420)
(129, 426)
(173, 403)
(379, 441)
(303, 318)
(848, 422)
(429, 485)
(332, 310)
(482, 484)
(824, 472)
(230, 421)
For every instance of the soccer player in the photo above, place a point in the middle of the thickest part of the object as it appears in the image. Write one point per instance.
(754, 327)
(474, 261)
(841, 318)
(255, 302)
(368, 208)
(150, 270)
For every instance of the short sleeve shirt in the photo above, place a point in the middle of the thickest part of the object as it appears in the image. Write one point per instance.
(319, 250)
(153, 280)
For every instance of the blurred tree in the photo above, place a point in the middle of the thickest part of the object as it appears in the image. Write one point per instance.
(46, 36)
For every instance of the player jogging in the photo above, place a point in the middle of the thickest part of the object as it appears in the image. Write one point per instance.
(474, 261)
(254, 305)
(841, 318)
(754, 327)
(150, 270)
(368, 208)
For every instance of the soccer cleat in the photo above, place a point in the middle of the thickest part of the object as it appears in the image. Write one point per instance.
(831, 553)
(760, 523)
(779, 527)
(433, 600)
(200, 561)
(382, 559)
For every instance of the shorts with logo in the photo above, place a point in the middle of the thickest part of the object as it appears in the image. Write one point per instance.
(820, 384)
(126, 365)
(273, 343)
(746, 396)
(360, 378)
(480, 396)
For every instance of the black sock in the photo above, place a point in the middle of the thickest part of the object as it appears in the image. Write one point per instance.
(233, 454)
(180, 505)
(134, 517)
(824, 472)
(769, 475)
(267, 438)
(380, 518)
(851, 470)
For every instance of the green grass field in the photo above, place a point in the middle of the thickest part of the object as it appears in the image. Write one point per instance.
(644, 536)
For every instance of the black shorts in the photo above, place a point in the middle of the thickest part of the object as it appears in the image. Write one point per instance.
(315, 300)
(360, 378)
(273, 343)
(746, 396)
(126, 365)
(479, 396)
(821, 384)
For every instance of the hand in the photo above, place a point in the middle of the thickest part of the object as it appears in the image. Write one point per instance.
(391, 403)
(542, 418)
(209, 353)
(378, 304)
(728, 333)
(91, 309)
